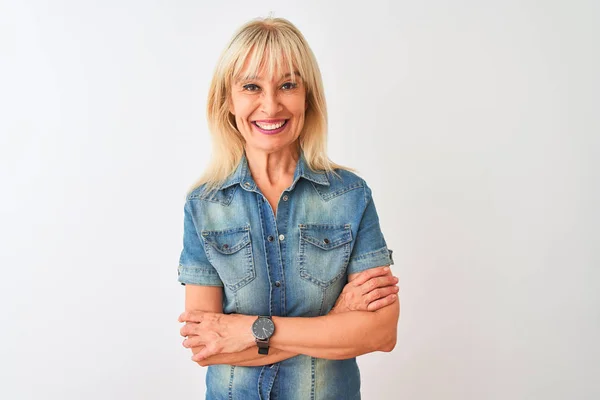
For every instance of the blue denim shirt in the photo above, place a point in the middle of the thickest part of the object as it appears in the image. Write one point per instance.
(294, 264)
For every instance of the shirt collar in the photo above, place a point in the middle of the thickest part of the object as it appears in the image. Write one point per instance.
(243, 177)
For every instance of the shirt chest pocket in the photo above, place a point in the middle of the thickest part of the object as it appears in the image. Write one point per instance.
(230, 252)
(324, 252)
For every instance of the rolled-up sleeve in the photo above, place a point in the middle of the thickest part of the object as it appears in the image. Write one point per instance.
(370, 249)
(194, 267)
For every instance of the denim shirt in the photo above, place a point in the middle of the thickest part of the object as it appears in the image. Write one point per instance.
(294, 264)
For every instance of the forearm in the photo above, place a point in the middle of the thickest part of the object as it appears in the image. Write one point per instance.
(246, 358)
(338, 336)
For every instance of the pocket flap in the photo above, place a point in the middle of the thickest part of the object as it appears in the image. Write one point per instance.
(228, 241)
(326, 236)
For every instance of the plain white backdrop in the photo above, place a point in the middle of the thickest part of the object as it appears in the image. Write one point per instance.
(474, 122)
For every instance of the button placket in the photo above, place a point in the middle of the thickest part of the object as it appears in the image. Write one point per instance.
(274, 268)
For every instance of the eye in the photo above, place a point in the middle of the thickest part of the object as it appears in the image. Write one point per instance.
(289, 85)
(251, 87)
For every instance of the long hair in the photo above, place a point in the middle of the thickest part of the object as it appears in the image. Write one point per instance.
(267, 43)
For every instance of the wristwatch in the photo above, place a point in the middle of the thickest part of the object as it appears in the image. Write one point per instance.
(262, 329)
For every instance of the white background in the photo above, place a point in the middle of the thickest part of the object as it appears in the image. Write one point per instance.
(474, 122)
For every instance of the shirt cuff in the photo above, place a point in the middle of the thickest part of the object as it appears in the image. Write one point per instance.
(371, 259)
(198, 275)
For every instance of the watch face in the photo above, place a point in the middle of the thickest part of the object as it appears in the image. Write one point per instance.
(263, 328)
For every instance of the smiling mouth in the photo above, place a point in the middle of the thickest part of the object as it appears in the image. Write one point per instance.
(270, 128)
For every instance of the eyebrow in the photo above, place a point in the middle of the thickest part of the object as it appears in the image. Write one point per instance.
(254, 77)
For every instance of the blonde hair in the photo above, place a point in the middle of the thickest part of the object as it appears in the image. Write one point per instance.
(271, 43)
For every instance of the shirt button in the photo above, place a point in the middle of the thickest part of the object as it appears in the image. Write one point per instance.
(277, 283)
(270, 238)
(285, 197)
(281, 237)
(247, 184)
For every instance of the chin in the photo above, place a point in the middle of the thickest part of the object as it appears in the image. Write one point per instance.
(270, 147)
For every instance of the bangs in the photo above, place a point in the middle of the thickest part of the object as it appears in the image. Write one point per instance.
(269, 51)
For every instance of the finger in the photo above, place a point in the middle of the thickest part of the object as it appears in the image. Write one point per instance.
(370, 273)
(195, 341)
(192, 316)
(201, 355)
(208, 351)
(190, 328)
(378, 282)
(380, 293)
(379, 304)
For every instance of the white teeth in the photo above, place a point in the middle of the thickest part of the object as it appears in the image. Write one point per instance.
(270, 127)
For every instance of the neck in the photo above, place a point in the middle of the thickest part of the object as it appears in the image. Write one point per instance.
(273, 168)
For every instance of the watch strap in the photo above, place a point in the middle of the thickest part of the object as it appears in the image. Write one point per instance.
(263, 345)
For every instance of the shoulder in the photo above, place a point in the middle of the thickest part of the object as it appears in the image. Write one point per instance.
(197, 192)
(202, 193)
(343, 177)
(342, 181)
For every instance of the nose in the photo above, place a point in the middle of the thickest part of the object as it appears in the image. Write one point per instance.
(271, 103)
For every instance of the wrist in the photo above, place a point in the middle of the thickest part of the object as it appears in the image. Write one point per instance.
(262, 330)
(249, 338)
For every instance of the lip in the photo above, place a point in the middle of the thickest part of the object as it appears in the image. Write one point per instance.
(270, 121)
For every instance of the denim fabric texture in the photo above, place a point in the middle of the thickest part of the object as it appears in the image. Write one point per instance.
(294, 264)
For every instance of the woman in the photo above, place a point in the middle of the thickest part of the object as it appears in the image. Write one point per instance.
(285, 265)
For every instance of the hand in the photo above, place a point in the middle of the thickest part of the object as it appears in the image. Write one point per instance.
(371, 290)
(218, 333)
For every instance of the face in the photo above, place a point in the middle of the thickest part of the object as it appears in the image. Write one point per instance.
(269, 110)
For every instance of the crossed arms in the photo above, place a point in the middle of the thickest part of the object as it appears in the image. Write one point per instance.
(363, 320)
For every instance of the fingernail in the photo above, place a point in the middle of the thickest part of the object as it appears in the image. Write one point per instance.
(386, 269)
(395, 279)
